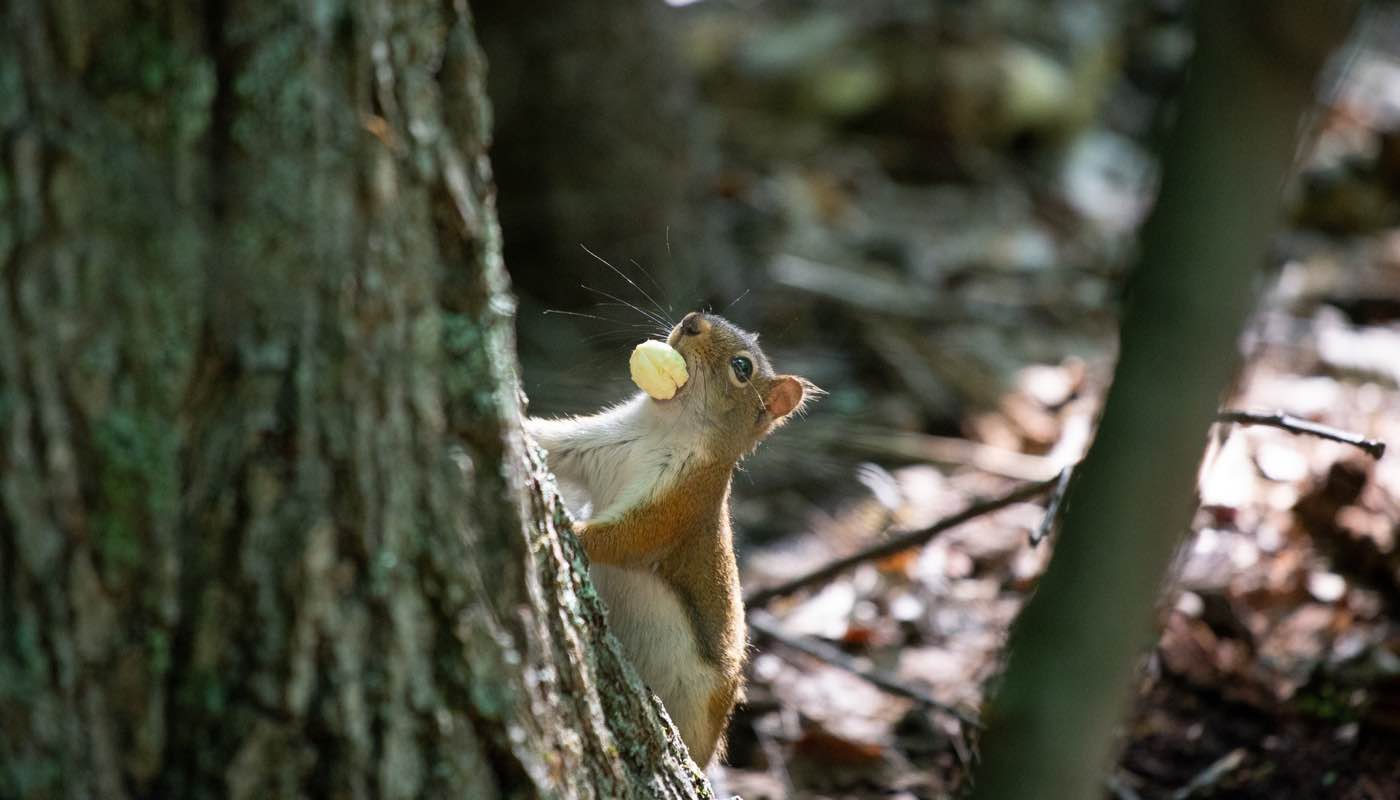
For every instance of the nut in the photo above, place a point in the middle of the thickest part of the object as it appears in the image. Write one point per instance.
(658, 369)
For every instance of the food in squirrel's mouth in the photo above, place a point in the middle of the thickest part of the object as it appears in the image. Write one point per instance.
(658, 369)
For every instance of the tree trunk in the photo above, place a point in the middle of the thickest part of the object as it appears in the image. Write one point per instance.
(1074, 648)
(597, 141)
(252, 289)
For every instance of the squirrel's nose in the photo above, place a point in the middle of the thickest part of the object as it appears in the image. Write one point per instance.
(694, 324)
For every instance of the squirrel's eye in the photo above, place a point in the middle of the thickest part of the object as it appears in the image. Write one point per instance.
(743, 368)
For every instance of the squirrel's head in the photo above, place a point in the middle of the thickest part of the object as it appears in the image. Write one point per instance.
(732, 391)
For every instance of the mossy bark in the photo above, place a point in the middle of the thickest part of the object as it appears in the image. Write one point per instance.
(268, 526)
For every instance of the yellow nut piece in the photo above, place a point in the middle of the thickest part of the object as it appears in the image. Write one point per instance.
(658, 369)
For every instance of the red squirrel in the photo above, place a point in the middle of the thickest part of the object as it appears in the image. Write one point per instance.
(651, 480)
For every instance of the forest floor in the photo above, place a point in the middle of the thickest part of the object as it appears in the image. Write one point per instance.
(952, 280)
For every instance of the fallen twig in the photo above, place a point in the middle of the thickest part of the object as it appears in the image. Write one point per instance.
(777, 763)
(1277, 419)
(899, 543)
(767, 626)
(950, 450)
(1120, 787)
(1055, 507)
(865, 289)
(1211, 775)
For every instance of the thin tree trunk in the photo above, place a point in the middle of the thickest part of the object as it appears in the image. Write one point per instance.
(252, 290)
(1073, 650)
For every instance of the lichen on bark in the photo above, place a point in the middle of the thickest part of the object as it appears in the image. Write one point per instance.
(268, 524)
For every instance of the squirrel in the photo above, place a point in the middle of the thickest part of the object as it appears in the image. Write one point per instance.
(650, 480)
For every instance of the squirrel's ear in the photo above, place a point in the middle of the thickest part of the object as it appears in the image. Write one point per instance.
(789, 393)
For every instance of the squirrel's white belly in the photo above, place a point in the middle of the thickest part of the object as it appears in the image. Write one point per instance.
(647, 617)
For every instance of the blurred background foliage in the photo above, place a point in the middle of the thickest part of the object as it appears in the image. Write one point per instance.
(927, 208)
(911, 201)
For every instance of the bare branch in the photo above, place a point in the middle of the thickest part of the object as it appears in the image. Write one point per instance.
(1277, 419)
(1052, 511)
(899, 543)
(764, 624)
(1211, 775)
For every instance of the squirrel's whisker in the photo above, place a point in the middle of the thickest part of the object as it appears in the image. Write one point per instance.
(590, 316)
(651, 315)
(623, 275)
(659, 290)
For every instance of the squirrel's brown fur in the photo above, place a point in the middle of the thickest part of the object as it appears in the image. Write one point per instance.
(657, 475)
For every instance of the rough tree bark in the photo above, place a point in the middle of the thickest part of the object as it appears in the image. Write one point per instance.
(252, 290)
